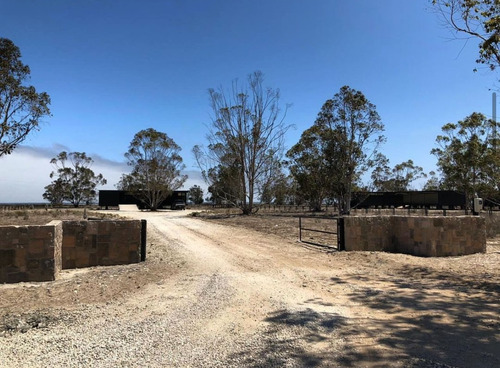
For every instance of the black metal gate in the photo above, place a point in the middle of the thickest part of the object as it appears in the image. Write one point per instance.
(330, 230)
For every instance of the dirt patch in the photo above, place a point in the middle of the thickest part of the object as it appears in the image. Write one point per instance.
(92, 285)
(400, 305)
(43, 217)
(242, 291)
(284, 226)
(22, 323)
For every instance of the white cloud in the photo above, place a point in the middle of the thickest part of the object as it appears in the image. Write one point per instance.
(25, 173)
(194, 178)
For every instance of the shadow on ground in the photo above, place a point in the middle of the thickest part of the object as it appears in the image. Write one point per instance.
(287, 339)
(421, 318)
(438, 316)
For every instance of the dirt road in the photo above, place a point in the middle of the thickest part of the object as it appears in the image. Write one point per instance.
(216, 296)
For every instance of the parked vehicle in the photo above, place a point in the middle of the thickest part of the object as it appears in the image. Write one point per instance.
(178, 204)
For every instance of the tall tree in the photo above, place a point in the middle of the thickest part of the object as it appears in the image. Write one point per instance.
(353, 130)
(156, 167)
(196, 194)
(278, 188)
(381, 175)
(479, 19)
(406, 173)
(54, 192)
(399, 178)
(433, 183)
(74, 180)
(311, 167)
(225, 186)
(246, 137)
(468, 156)
(21, 107)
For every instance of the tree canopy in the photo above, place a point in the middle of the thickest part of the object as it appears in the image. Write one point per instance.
(245, 141)
(196, 194)
(156, 167)
(74, 180)
(433, 182)
(341, 145)
(21, 107)
(468, 156)
(479, 19)
(278, 189)
(312, 167)
(398, 178)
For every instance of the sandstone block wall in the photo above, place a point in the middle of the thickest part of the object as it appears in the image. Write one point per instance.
(368, 233)
(30, 253)
(100, 243)
(417, 235)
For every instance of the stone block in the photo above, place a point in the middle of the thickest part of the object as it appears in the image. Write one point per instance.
(419, 235)
(69, 240)
(93, 260)
(33, 264)
(103, 251)
(37, 246)
(20, 260)
(18, 277)
(7, 257)
(36, 253)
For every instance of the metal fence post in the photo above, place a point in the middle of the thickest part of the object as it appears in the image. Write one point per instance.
(143, 239)
(300, 228)
(340, 234)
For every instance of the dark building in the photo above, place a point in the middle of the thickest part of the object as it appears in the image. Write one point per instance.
(439, 199)
(113, 198)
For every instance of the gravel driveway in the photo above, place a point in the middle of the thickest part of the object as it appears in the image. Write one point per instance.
(211, 295)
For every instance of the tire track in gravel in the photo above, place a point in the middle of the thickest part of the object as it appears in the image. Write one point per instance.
(217, 296)
(266, 280)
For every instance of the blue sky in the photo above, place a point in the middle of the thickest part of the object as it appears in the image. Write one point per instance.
(114, 67)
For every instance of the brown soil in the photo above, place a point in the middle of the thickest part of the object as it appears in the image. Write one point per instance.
(273, 301)
(85, 285)
(42, 217)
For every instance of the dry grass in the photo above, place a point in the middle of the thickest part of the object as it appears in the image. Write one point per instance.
(42, 217)
(286, 225)
(440, 312)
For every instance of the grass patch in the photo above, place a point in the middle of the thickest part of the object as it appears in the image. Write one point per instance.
(44, 216)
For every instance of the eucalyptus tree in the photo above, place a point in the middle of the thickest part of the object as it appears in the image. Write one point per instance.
(196, 194)
(311, 167)
(245, 139)
(468, 156)
(278, 189)
(74, 180)
(156, 167)
(475, 19)
(398, 178)
(224, 186)
(21, 106)
(433, 182)
(54, 192)
(340, 146)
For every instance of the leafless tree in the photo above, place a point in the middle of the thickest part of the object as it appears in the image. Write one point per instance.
(246, 136)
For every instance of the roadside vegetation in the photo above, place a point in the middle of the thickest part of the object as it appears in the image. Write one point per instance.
(44, 216)
(245, 162)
